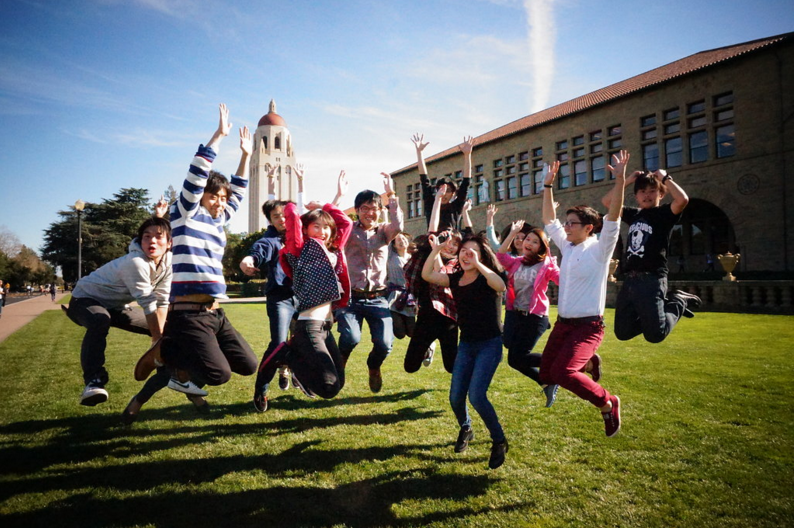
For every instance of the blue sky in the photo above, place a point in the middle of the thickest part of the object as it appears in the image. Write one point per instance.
(98, 95)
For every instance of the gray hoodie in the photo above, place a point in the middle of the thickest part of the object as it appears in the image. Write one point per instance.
(129, 278)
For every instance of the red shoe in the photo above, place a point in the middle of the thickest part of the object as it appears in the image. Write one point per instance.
(611, 419)
(596, 368)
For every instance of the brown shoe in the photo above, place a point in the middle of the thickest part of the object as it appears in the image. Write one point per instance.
(375, 380)
(149, 361)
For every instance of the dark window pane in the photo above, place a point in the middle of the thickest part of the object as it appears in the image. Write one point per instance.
(698, 147)
(538, 181)
(615, 130)
(697, 122)
(722, 115)
(671, 114)
(498, 163)
(561, 145)
(499, 191)
(694, 108)
(498, 173)
(649, 134)
(511, 170)
(537, 152)
(672, 128)
(479, 168)
(523, 166)
(596, 136)
(674, 149)
(651, 155)
(615, 143)
(562, 156)
(726, 141)
(598, 147)
(578, 140)
(525, 184)
(564, 176)
(598, 169)
(510, 159)
(523, 156)
(723, 99)
(511, 188)
(581, 172)
(578, 153)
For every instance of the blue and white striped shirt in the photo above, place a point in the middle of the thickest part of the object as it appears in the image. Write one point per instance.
(198, 239)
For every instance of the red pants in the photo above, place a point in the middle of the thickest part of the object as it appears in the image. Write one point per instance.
(570, 346)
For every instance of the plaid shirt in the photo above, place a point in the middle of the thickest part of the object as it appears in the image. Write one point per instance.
(442, 299)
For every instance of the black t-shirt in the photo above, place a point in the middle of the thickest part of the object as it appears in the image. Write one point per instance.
(478, 308)
(648, 238)
(450, 212)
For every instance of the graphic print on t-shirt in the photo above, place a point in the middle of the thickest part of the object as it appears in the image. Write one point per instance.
(638, 235)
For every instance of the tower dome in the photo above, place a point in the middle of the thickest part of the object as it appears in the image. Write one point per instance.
(272, 117)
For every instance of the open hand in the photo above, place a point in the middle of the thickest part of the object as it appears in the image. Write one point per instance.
(224, 120)
(417, 139)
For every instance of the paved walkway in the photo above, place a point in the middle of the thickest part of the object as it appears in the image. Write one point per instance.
(17, 315)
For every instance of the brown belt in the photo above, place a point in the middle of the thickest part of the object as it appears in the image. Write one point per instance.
(193, 307)
(359, 294)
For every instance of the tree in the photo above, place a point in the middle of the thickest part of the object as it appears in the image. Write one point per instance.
(9, 242)
(236, 250)
(107, 229)
(27, 268)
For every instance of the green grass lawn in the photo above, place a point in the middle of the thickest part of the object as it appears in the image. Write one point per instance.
(707, 440)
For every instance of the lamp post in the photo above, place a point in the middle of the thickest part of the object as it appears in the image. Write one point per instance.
(79, 205)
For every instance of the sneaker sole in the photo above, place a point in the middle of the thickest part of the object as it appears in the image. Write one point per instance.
(619, 422)
(94, 399)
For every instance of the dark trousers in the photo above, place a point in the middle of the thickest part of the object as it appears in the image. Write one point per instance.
(521, 333)
(431, 325)
(280, 314)
(643, 306)
(98, 320)
(315, 359)
(205, 344)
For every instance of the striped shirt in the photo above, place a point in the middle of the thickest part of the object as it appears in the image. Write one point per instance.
(198, 239)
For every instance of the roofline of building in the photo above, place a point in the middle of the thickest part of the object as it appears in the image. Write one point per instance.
(608, 94)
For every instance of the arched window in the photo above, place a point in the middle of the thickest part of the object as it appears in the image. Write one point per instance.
(265, 142)
(704, 228)
(277, 143)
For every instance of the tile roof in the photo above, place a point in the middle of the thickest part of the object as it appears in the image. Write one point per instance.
(673, 70)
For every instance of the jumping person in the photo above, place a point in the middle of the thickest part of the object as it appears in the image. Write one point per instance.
(477, 288)
(312, 256)
(527, 302)
(455, 195)
(367, 252)
(579, 329)
(644, 306)
(198, 337)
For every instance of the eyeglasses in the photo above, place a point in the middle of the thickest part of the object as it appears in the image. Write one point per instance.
(571, 224)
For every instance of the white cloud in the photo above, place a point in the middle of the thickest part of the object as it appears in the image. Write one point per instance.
(541, 42)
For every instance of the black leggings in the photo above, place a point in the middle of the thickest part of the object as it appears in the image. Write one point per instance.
(429, 326)
(315, 359)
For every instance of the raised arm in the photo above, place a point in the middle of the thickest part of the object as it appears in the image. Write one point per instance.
(272, 184)
(466, 223)
(679, 198)
(240, 180)
(434, 217)
(417, 140)
(491, 236)
(429, 273)
(620, 161)
(299, 171)
(343, 187)
(466, 147)
(395, 215)
(548, 207)
(246, 153)
(223, 128)
(515, 229)
(607, 198)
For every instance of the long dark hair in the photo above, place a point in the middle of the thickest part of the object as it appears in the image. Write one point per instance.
(530, 260)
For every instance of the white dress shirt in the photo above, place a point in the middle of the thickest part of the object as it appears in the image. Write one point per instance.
(584, 270)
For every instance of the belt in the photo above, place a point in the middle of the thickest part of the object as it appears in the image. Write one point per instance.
(580, 320)
(359, 294)
(193, 307)
(524, 313)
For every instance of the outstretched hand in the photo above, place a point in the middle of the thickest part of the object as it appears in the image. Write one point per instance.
(298, 169)
(620, 160)
(246, 141)
(343, 183)
(388, 182)
(467, 206)
(271, 171)
(553, 170)
(417, 139)
(517, 226)
(490, 213)
(467, 145)
(224, 120)
(161, 207)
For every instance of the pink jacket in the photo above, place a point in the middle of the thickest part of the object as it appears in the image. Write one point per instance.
(539, 303)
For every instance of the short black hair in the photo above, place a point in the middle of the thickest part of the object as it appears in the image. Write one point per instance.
(367, 196)
(445, 181)
(643, 181)
(161, 223)
(588, 216)
(216, 182)
(270, 205)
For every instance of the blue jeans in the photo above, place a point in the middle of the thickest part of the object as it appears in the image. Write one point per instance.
(380, 322)
(474, 368)
(280, 313)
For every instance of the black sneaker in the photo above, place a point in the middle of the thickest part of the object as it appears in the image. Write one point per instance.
(465, 437)
(260, 400)
(550, 392)
(691, 301)
(94, 393)
(498, 454)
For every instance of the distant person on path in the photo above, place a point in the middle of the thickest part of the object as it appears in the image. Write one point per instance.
(198, 337)
(314, 259)
(477, 288)
(643, 305)
(709, 263)
(53, 291)
(2, 297)
(579, 328)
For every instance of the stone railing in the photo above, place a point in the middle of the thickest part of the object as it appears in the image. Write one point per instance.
(750, 296)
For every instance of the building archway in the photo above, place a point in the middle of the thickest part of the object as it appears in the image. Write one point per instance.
(704, 229)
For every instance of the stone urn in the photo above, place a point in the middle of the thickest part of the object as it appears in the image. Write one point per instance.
(729, 262)
(612, 269)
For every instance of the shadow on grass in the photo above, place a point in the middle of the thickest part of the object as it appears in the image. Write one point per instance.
(94, 437)
(368, 502)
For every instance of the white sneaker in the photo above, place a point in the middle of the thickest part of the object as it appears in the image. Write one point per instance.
(93, 394)
(186, 388)
(427, 360)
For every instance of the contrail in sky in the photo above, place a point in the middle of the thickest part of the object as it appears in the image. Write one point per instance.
(542, 37)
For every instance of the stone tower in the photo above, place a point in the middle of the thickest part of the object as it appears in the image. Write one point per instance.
(272, 148)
